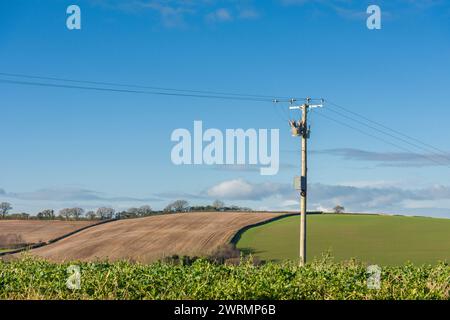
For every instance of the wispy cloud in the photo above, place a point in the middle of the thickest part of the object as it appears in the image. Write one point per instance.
(344, 8)
(374, 199)
(180, 195)
(248, 13)
(178, 13)
(377, 198)
(181, 13)
(248, 167)
(424, 3)
(393, 159)
(356, 9)
(70, 194)
(172, 13)
(366, 197)
(219, 15)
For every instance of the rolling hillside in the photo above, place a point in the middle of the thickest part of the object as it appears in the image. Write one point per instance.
(374, 239)
(33, 231)
(152, 238)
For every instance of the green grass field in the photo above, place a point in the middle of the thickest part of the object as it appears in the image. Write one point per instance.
(375, 239)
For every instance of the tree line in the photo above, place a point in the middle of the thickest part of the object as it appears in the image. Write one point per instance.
(107, 213)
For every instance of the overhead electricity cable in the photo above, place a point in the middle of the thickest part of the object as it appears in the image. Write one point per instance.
(114, 84)
(413, 144)
(441, 153)
(156, 90)
(380, 139)
(66, 86)
(280, 114)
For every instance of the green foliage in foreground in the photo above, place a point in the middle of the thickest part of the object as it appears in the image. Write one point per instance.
(29, 278)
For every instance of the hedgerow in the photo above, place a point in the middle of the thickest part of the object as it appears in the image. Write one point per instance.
(31, 278)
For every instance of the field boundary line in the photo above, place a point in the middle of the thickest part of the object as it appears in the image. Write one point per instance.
(237, 236)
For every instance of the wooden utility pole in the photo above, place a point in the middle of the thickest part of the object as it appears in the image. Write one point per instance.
(301, 129)
(303, 183)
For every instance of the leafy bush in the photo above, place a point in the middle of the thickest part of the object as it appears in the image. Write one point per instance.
(224, 253)
(29, 278)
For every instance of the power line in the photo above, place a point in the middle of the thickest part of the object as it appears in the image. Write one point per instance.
(378, 138)
(156, 90)
(416, 145)
(390, 129)
(41, 84)
(440, 159)
(204, 92)
(280, 114)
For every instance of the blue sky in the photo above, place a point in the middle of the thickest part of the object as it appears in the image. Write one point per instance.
(66, 147)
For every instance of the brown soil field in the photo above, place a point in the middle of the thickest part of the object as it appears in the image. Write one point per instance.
(34, 231)
(152, 238)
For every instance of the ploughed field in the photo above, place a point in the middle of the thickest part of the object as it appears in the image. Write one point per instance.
(152, 238)
(16, 232)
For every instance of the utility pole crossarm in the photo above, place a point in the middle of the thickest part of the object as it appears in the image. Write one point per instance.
(309, 106)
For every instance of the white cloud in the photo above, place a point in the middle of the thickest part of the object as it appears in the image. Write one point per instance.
(355, 9)
(232, 189)
(375, 199)
(219, 15)
(374, 183)
(431, 200)
(249, 13)
(239, 189)
(321, 196)
(289, 203)
(179, 13)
